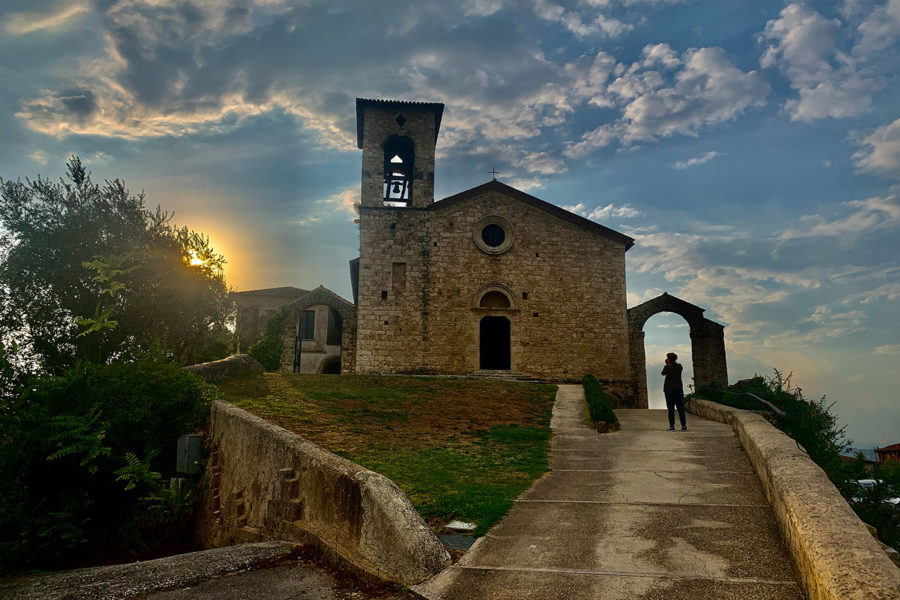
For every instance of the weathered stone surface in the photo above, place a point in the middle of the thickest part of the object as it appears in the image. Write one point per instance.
(565, 284)
(217, 370)
(316, 351)
(265, 482)
(115, 582)
(707, 343)
(833, 552)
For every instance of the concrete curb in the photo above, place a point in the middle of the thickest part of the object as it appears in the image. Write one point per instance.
(834, 555)
(116, 582)
(265, 482)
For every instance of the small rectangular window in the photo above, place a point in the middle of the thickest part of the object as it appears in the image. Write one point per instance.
(308, 325)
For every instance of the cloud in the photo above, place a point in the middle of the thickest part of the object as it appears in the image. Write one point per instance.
(806, 47)
(705, 90)
(481, 8)
(880, 151)
(39, 156)
(699, 160)
(346, 201)
(304, 221)
(878, 212)
(888, 349)
(29, 22)
(604, 212)
(575, 22)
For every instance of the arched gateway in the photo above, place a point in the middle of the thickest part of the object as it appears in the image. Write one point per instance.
(707, 343)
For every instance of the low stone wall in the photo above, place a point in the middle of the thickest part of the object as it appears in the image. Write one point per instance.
(264, 482)
(217, 370)
(835, 556)
(137, 579)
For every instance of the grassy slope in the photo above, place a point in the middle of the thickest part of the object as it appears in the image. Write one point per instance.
(459, 449)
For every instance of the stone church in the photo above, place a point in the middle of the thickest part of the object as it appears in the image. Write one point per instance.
(491, 279)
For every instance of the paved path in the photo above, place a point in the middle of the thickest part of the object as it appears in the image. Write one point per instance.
(639, 513)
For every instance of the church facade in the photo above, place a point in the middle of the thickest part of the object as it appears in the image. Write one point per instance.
(489, 280)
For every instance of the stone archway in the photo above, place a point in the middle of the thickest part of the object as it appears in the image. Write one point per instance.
(707, 343)
(346, 313)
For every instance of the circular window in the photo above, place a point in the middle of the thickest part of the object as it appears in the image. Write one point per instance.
(493, 234)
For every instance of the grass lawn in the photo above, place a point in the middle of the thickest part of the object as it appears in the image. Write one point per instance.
(459, 449)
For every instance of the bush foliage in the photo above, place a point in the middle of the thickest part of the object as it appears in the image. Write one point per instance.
(83, 456)
(599, 405)
(267, 351)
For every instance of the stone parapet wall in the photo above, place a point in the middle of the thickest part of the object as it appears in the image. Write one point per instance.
(217, 370)
(834, 555)
(264, 482)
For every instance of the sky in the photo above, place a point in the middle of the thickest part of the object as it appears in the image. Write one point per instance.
(751, 147)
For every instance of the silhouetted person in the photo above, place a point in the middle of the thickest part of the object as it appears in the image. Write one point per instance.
(673, 390)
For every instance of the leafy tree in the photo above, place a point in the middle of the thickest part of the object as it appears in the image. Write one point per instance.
(63, 243)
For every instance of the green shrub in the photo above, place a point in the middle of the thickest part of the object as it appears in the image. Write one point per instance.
(84, 456)
(267, 351)
(599, 406)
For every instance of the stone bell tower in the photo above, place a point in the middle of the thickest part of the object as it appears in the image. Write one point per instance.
(398, 140)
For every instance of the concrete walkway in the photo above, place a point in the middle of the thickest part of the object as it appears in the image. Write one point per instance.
(639, 513)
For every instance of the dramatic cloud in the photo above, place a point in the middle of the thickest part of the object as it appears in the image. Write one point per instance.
(881, 212)
(807, 48)
(699, 89)
(699, 160)
(31, 22)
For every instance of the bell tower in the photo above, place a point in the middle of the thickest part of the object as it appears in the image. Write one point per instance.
(398, 140)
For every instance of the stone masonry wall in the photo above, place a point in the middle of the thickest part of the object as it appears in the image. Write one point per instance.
(264, 482)
(380, 123)
(566, 285)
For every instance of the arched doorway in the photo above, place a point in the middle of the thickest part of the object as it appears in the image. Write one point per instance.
(494, 344)
(707, 343)
(666, 332)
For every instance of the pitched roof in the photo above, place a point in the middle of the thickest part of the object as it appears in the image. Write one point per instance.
(565, 215)
(361, 103)
(891, 448)
(276, 291)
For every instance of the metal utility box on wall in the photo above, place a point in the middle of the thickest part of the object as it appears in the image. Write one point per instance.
(188, 457)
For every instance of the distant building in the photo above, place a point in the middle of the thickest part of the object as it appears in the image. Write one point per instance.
(313, 330)
(891, 452)
(256, 307)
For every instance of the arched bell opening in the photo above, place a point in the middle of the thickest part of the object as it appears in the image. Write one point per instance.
(399, 155)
